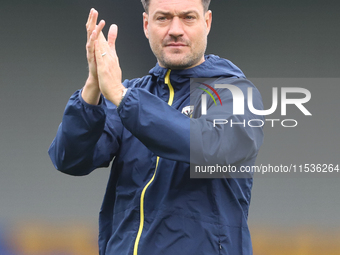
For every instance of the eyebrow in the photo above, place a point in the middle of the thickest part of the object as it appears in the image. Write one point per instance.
(180, 14)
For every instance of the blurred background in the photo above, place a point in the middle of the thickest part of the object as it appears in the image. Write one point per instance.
(275, 43)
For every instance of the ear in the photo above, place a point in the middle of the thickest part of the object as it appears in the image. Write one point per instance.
(146, 24)
(208, 20)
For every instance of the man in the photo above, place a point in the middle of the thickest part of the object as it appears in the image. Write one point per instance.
(151, 205)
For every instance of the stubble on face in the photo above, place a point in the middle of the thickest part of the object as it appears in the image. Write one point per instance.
(174, 58)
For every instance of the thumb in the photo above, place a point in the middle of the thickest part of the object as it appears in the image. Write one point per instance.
(112, 36)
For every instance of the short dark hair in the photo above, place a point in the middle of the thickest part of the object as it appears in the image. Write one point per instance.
(146, 3)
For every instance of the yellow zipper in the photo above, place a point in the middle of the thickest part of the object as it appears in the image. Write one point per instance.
(171, 89)
(141, 223)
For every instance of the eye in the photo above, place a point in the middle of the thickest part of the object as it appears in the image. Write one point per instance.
(161, 18)
(190, 17)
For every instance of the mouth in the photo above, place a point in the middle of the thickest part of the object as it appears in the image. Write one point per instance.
(176, 45)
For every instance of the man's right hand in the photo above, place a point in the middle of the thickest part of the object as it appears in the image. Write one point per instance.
(91, 91)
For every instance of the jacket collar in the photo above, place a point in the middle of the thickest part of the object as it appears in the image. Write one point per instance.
(213, 66)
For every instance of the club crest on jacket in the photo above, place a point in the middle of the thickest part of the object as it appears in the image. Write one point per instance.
(188, 110)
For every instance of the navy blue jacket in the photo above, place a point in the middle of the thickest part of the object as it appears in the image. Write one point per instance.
(151, 205)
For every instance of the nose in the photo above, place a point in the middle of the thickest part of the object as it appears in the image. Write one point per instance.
(176, 27)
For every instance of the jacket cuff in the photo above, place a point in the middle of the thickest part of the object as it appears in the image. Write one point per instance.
(121, 104)
(101, 103)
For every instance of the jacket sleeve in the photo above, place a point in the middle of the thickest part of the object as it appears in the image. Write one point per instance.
(172, 135)
(86, 139)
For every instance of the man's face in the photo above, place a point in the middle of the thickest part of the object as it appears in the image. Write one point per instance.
(177, 31)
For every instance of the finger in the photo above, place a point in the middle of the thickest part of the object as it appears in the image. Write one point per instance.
(92, 23)
(94, 36)
(98, 53)
(99, 28)
(90, 46)
(112, 36)
(102, 40)
(89, 18)
(105, 46)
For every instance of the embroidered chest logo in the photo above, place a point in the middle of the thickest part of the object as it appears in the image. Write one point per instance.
(188, 110)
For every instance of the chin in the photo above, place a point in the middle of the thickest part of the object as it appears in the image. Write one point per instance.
(175, 60)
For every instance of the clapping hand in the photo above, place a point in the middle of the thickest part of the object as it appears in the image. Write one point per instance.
(105, 75)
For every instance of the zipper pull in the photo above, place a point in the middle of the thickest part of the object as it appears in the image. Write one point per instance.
(220, 245)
